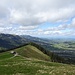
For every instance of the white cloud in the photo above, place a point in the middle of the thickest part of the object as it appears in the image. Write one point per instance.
(3, 12)
(27, 27)
(30, 14)
(52, 32)
(33, 12)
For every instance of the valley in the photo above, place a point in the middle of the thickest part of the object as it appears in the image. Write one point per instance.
(29, 55)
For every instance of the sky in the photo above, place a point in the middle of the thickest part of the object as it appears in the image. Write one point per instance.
(41, 18)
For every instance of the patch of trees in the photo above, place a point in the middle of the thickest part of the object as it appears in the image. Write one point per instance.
(54, 57)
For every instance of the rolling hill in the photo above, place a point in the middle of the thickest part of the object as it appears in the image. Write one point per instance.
(31, 61)
(30, 51)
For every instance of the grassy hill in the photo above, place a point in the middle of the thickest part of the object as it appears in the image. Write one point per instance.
(31, 61)
(30, 51)
(18, 65)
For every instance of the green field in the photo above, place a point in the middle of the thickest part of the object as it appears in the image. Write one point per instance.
(31, 64)
(66, 46)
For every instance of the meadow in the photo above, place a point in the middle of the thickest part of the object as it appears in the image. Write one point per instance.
(22, 65)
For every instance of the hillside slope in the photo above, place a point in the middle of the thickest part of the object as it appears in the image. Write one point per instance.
(19, 65)
(30, 51)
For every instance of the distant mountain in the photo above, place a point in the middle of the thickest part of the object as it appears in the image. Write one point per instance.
(8, 41)
(36, 39)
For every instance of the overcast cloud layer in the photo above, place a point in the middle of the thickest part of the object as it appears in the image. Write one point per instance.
(27, 17)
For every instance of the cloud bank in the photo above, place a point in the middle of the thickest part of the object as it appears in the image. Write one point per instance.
(27, 16)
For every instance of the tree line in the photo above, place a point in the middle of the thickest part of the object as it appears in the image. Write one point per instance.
(54, 57)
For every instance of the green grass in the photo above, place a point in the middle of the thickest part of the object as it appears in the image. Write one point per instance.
(65, 46)
(32, 52)
(5, 55)
(25, 64)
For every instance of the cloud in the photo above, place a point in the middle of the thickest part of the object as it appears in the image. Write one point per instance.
(60, 30)
(33, 12)
(28, 15)
(60, 27)
(72, 25)
(27, 27)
